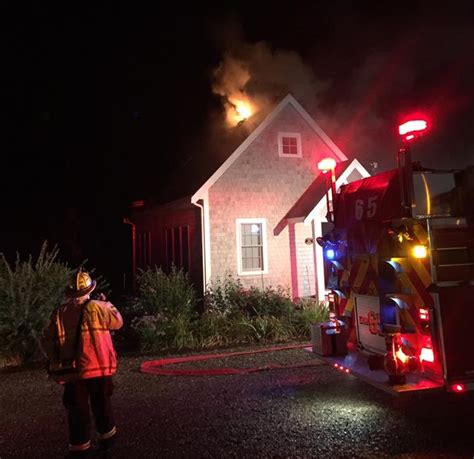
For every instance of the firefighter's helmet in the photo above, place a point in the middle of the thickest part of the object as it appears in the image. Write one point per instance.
(81, 284)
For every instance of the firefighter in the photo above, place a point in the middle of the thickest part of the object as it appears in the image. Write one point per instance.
(81, 357)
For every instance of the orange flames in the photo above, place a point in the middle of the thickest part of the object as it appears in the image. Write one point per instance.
(230, 80)
(238, 110)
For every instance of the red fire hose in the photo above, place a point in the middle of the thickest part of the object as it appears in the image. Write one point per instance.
(156, 367)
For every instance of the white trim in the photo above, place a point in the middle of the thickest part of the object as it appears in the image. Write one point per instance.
(207, 240)
(319, 260)
(294, 135)
(341, 180)
(203, 245)
(289, 99)
(263, 222)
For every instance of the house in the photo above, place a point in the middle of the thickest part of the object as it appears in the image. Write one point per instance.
(257, 215)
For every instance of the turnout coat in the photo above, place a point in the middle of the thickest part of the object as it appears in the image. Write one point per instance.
(92, 352)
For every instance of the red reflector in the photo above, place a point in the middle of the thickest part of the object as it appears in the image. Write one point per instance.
(458, 387)
(427, 354)
(424, 314)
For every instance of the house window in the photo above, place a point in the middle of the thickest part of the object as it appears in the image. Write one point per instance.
(289, 144)
(177, 247)
(251, 246)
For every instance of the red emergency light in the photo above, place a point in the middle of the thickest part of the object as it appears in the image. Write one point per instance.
(413, 128)
(458, 388)
(424, 314)
(326, 165)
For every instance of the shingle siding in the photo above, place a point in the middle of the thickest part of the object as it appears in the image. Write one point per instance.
(261, 184)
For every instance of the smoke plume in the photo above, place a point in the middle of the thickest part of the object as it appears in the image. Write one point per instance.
(261, 77)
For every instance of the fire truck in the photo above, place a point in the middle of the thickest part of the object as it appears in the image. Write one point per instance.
(400, 275)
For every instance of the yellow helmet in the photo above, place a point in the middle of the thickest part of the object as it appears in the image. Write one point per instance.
(82, 284)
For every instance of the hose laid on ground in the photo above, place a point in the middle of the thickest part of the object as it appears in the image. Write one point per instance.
(156, 367)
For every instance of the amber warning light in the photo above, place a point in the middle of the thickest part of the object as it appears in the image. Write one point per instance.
(412, 129)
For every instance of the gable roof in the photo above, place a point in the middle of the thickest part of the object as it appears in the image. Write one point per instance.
(288, 100)
(304, 208)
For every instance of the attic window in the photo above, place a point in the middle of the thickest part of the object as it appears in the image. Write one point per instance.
(289, 144)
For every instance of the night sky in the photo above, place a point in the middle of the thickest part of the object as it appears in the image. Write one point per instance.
(102, 106)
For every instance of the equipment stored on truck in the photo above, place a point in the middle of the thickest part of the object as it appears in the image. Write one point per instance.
(400, 274)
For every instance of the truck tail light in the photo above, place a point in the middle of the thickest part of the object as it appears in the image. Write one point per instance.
(424, 314)
(427, 354)
(458, 388)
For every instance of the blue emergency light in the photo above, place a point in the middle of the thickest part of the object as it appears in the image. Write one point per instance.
(330, 254)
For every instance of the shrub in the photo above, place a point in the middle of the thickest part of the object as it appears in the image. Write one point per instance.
(232, 314)
(157, 332)
(266, 328)
(307, 312)
(167, 294)
(214, 329)
(29, 291)
(269, 302)
(223, 296)
(228, 296)
(165, 310)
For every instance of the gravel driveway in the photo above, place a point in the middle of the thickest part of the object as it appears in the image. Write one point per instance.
(312, 411)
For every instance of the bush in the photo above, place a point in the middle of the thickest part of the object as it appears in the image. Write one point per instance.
(224, 296)
(157, 332)
(214, 329)
(228, 296)
(267, 328)
(167, 294)
(269, 302)
(29, 291)
(165, 310)
(167, 317)
(308, 311)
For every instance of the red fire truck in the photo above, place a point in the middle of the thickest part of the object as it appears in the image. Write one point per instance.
(400, 276)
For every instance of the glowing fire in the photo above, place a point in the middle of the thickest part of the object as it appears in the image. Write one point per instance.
(243, 109)
(239, 109)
